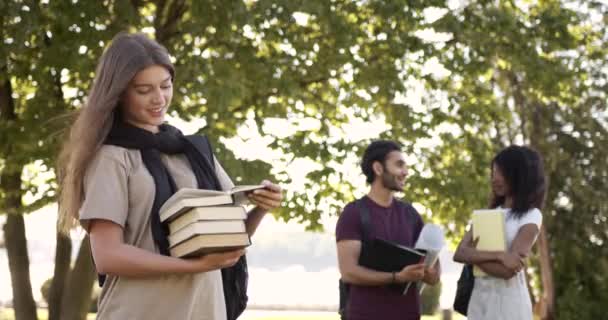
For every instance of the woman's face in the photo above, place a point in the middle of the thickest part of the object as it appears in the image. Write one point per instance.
(500, 186)
(147, 98)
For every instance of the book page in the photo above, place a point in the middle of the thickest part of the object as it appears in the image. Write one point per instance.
(245, 188)
(239, 193)
(432, 240)
(429, 260)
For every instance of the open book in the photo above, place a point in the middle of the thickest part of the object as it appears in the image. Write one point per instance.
(431, 240)
(382, 255)
(187, 198)
(489, 226)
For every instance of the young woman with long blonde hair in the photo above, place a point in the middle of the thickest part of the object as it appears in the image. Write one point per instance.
(120, 163)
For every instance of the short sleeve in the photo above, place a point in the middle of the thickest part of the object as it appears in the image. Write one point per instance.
(534, 216)
(225, 181)
(348, 226)
(105, 190)
(417, 221)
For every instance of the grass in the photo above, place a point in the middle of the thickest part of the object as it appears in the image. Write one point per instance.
(336, 317)
(7, 314)
(43, 314)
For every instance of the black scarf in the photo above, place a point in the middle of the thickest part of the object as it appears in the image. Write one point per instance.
(168, 140)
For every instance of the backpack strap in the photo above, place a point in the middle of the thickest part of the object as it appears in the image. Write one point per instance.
(203, 146)
(344, 287)
(365, 223)
(235, 278)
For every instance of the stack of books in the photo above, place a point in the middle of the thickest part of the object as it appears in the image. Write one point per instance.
(205, 221)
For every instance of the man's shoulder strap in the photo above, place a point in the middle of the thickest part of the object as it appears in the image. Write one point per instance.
(202, 145)
(365, 219)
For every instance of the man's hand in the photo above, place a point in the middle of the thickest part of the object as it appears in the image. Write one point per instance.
(414, 272)
(432, 274)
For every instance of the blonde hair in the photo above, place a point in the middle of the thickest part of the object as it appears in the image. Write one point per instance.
(122, 60)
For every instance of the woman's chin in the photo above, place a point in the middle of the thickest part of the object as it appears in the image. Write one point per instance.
(499, 193)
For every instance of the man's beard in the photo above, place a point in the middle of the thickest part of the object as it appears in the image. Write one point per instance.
(389, 181)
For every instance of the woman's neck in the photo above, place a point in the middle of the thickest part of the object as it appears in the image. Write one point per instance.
(508, 202)
(146, 126)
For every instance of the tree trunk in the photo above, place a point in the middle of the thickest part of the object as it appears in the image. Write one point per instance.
(14, 228)
(77, 294)
(546, 272)
(63, 252)
(547, 301)
(19, 266)
(529, 286)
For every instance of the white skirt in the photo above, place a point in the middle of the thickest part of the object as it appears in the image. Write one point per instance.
(499, 299)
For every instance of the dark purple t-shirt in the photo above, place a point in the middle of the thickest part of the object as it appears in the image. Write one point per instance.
(399, 223)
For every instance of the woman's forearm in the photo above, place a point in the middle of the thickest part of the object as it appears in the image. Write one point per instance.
(470, 255)
(254, 217)
(128, 260)
(496, 269)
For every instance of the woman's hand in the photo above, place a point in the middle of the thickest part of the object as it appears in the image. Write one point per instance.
(472, 243)
(214, 261)
(512, 261)
(268, 198)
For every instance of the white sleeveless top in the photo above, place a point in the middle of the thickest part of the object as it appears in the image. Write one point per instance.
(499, 299)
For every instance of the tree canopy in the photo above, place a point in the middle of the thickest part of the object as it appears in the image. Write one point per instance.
(454, 83)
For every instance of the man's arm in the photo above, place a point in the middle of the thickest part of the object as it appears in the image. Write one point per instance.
(352, 272)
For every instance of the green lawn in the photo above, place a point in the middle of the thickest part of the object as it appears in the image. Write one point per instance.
(305, 317)
(7, 314)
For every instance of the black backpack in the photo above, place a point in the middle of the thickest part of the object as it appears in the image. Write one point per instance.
(235, 278)
(365, 227)
(464, 289)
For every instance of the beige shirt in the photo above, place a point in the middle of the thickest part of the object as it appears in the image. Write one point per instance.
(119, 188)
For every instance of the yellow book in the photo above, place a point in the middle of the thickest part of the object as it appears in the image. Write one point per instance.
(489, 226)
